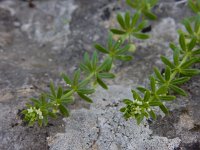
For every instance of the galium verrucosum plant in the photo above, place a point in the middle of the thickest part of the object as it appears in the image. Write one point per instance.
(163, 87)
(92, 71)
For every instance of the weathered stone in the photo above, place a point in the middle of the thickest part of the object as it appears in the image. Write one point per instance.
(104, 127)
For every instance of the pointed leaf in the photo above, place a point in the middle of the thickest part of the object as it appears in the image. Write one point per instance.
(190, 72)
(178, 90)
(180, 80)
(127, 19)
(141, 36)
(86, 91)
(101, 49)
(121, 21)
(164, 109)
(158, 75)
(59, 92)
(87, 99)
(63, 110)
(182, 42)
(135, 18)
(167, 62)
(106, 75)
(52, 89)
(124, 57)
(117, 31)
(167, 98)
(152, 114)
(101, 83)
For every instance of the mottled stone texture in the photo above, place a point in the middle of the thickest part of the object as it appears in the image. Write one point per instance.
(38, 43)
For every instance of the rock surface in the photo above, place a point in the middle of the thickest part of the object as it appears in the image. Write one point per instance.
(102, 127)
(36, 44)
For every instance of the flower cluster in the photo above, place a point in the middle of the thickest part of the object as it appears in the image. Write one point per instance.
(33, 114)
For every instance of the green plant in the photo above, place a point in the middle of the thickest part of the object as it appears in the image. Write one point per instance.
(192, 32)
(129, 26)
(162, 87)
(194, 5)
(92, 71)
(143, 7)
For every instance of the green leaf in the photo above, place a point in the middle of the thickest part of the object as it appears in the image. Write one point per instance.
(121, 21)
(105, 64)
(189, 63)
(141, 36)
(162, 90)
(167, 62)
(127, 101)
(63, 110)
(101, 49)
(153, 2)
(124, 57)
(139, 118)
(52, 89)
(178, 90)
(150, 15)
(123, 109)
(87, 99)
(152, 114)
(127, 19)
(86, 91)
(118, 43)
(158, 75)
(153, 84)
(106, 75)
(94, 60)
(196, 52)
(141, 89)
(135, 18)
(173, 47)
(197, 26)
(147, 96)
(101, 83)
(190, 72)
(117, 31)
(59, 92)
(76, 77)
(135, 95)
(68, 100)
(167, 98)
(123, 50)
(164, 109)
(192, 6)
(155, 103)
(176, 57)
(84, 82)
(142, 25)
(192, 44)
(180, 80)
(182, 42)
(187, 26)
(84, 68)
(167, 73)
(66, 79)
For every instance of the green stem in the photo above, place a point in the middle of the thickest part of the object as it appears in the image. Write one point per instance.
(173, 75)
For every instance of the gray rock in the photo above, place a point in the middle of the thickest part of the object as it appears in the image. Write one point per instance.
(103, 127)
